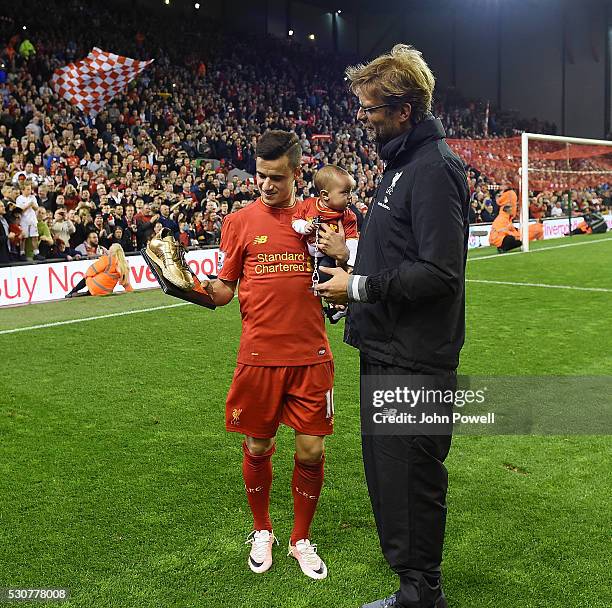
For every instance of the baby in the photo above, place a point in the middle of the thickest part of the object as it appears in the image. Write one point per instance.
(334, 186)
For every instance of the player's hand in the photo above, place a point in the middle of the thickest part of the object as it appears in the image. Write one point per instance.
(336, 289)
(333, 244)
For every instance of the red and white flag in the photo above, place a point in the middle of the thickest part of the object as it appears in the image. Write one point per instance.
(91, 83)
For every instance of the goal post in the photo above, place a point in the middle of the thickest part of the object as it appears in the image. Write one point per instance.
(596, 170)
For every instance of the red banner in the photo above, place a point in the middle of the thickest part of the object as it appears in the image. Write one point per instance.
(552, 165)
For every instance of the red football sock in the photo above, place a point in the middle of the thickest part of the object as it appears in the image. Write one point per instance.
(306, 487)
(257, 474)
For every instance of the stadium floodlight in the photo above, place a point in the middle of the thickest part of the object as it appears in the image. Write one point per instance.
(338, 12)
(555, 162)
(166, 2)
(290, 32)
(197, 6)
(24, 27)
(311, 36)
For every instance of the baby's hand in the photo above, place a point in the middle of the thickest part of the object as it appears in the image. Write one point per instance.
(309, 227)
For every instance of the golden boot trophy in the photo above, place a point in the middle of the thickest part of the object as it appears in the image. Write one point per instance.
(165, 256)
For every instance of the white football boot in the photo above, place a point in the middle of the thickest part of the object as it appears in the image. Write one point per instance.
(260, 557)
(310, 562)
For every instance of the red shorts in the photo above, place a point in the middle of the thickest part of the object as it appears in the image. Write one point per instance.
(301, 397)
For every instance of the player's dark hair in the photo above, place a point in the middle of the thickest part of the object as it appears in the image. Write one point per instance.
(274, 144)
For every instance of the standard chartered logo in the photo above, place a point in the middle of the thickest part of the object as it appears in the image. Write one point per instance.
(268, 263)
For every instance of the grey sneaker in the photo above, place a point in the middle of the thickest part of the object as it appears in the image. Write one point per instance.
(388, 602)
(392, 601)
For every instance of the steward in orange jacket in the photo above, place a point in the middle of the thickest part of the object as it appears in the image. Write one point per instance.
(504, 235)
(503, 227)
(104, 274)
(508, 197)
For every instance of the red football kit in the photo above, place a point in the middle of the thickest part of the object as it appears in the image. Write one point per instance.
(285, 368)
(312, 207)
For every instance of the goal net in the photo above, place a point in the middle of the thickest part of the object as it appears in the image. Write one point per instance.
(534, 163)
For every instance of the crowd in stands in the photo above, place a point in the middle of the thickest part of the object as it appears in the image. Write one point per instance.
(542, 205)
(177, 148)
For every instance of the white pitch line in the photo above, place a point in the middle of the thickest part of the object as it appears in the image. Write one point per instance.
(540, 285)
(485, 257)
(71, 321)
(505, 255)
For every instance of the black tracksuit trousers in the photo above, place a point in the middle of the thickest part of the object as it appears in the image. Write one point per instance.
(407, 482)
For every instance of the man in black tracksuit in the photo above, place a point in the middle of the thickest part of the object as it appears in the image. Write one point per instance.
(406, 312)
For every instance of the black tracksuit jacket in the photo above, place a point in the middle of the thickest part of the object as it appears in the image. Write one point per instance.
(413, 249)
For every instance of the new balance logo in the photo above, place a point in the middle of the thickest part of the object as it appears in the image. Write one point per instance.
(253, 490)
(260, 240)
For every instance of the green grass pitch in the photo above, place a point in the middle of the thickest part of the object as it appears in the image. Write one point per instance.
(118, 480)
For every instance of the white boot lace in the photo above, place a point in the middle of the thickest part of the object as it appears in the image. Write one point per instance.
(308, 553)
(260, 540)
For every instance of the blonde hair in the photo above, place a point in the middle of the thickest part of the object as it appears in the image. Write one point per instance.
(401, 76)
(124, 270)
(325, 176)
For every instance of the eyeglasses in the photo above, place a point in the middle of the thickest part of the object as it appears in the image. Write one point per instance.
(369, 109)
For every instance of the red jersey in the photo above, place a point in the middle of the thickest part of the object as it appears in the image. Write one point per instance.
(282, 321)
(312, 207)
